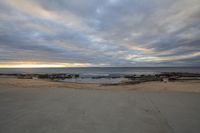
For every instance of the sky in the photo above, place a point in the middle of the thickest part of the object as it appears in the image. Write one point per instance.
(100, 33)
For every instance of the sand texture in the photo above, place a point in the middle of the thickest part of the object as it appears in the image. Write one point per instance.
(183, 86)
(38, 106)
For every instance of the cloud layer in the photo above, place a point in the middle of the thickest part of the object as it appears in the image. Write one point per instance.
(101, 32)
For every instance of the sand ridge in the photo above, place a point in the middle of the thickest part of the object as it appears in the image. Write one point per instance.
(183, 86)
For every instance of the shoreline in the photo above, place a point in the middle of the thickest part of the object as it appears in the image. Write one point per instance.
(110, 79)
(149, 77)
(175, 86)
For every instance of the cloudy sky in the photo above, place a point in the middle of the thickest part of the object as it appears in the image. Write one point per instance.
(100, 32)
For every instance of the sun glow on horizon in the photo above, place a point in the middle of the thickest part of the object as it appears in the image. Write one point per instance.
(44, 65)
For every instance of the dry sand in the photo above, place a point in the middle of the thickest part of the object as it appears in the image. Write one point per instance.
(39, 106)
(182, 86)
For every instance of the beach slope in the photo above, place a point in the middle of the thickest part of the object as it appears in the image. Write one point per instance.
(38, 106)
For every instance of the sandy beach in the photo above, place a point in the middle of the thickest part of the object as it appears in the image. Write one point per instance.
(99, 66)
(40, 106)
(179, 86)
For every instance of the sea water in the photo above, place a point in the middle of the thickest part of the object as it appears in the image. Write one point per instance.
(101, 70)
(87, 73)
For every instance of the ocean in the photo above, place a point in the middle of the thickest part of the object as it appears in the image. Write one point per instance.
(101, 70)
(87, 73)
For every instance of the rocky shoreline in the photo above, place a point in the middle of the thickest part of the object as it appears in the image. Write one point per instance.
(131, 79)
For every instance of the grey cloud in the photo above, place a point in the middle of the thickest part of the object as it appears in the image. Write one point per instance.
(101, 31)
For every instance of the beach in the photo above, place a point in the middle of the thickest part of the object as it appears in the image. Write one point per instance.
(43, 106)
(179, 86)
(100, 66)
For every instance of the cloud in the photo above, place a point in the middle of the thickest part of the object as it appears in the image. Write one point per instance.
(107, 32)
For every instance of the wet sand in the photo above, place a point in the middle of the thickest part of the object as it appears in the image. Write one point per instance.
(38, 106)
